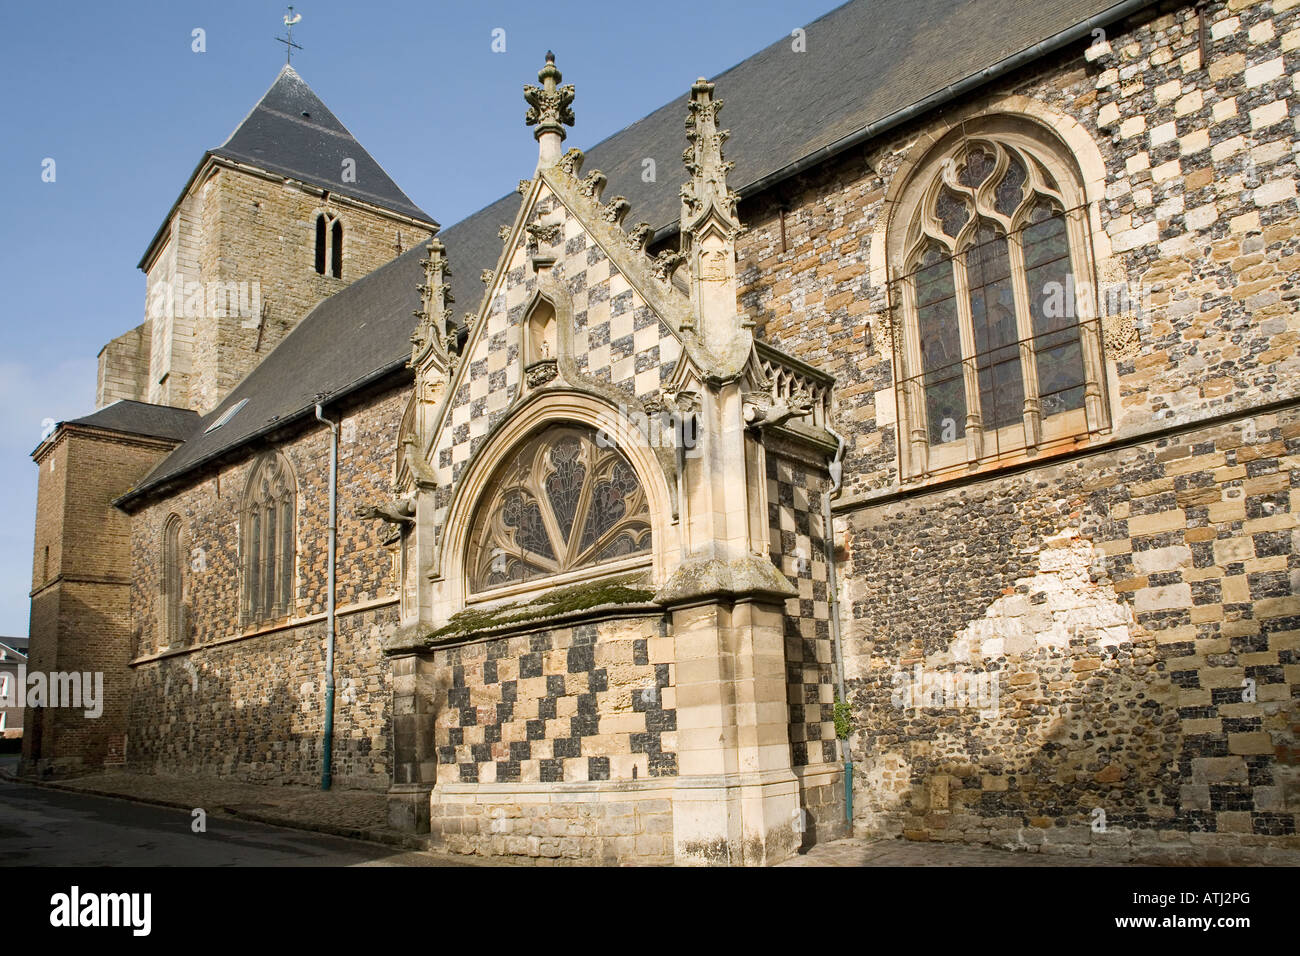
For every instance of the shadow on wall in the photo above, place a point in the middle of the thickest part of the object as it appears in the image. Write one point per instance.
(254, 711)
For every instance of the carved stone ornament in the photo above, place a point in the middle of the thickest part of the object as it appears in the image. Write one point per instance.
(524, 186)
(541, 372)
(593, 185)
(639, 236)
(550, 105)
(542, 233)
(571, 162)
(504, 233)
(394, 512)
(616, 210)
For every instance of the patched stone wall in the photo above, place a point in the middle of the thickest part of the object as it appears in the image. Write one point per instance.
(1099, 653)
(585, 703)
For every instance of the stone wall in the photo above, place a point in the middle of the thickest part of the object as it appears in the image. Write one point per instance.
(80, 618)
(233, 275)
(1191, 176)
(259, 715)
(1095, 652)
(253, 708)
(585, 703)
(257, 230)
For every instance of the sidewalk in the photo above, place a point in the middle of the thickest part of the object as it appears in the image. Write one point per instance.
(356, 814)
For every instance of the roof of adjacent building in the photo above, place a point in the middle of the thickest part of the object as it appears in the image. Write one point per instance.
(17, 645)
(141, 418)
(863, 62)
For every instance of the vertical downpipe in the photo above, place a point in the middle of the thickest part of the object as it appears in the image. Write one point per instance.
(833, 606)
(327, 774)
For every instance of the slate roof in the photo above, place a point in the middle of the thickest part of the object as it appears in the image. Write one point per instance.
(142, 418)
(865, 61)
(17, 645)
(290, 131)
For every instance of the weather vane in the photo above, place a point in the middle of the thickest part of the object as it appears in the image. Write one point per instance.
(290, 19)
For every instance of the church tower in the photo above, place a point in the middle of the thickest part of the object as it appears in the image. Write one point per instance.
(287, 211)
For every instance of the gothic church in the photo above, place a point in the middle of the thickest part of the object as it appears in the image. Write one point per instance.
(922, 459)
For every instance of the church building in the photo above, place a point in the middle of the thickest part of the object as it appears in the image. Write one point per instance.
(918, 457)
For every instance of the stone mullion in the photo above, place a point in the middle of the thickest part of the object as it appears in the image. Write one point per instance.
(969, 369)
(1094, 364)
(1032, 410)
(914, 426)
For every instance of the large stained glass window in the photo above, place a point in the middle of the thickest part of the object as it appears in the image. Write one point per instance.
(559, 503)
(993, 343)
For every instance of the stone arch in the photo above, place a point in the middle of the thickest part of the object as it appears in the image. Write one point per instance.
(268, 540)
(546, 409)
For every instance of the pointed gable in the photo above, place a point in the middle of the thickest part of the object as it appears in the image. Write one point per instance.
(292, 132)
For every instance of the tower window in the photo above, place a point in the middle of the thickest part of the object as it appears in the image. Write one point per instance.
(329, 245)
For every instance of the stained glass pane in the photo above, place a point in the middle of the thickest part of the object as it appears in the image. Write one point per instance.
(1054, 310)
(951, 211)
(940, 336)
(564, 485)
(993, 320)
(978, 167)
(1010, 189)
(561, 501)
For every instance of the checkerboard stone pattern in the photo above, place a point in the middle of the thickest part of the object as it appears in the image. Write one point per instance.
(798, 548)
(584, 703)
(618, 340)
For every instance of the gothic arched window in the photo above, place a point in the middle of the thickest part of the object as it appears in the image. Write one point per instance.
(268, 541)
(1000, 351)
(329, 245)
(561, 502)
(173, 584)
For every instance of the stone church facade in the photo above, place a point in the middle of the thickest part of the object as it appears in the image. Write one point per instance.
(920, 463)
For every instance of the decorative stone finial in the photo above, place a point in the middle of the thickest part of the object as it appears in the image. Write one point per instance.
(709, 227)
(428, 341)
(707, 189)
(550, 110)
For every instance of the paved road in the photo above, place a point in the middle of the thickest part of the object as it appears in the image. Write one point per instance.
(42, 827)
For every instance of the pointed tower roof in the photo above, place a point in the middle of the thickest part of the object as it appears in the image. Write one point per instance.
(291, 131)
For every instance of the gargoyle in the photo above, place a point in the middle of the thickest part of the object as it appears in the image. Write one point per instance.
(771, 410)
(394, 512)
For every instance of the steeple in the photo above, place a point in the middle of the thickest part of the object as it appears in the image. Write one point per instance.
(550, 110)
(709, 228)
(293, 133)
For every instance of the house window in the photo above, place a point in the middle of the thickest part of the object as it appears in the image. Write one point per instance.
(329, 245)
(560, 504)
(268, 541)
(174, 629)
(1000, 351)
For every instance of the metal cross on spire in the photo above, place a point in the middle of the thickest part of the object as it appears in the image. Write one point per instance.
(290, 19)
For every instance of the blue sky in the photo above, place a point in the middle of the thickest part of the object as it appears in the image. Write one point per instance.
(116, 96)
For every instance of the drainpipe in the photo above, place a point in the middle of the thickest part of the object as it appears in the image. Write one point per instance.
(326, 776)
(833, 605)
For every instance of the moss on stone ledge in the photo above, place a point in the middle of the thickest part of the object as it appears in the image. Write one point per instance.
(626, 590)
